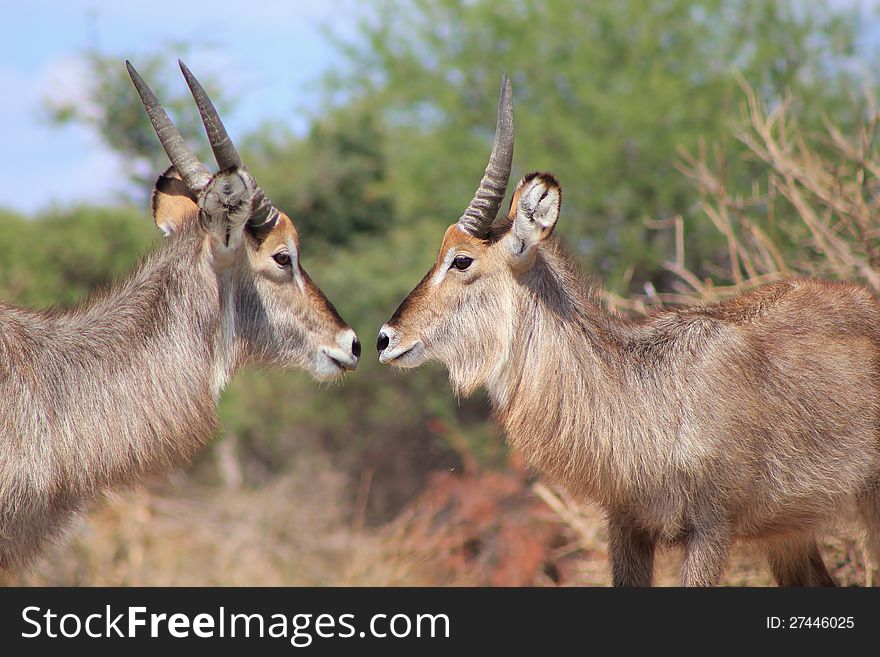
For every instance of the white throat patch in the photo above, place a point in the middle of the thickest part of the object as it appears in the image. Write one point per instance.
(224, 347)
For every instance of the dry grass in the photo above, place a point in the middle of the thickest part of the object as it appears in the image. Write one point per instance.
(292, 532)
(487, 529)
(500, 529)
(818, 193)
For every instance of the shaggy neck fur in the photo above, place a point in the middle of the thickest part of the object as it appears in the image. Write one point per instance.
(103, 394)
(563, 393)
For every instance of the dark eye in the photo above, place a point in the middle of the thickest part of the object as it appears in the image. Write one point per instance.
(462, 262)
(282, 259)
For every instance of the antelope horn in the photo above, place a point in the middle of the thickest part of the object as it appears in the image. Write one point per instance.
(482, 210)
(193, 173)
(262, 210)
(224, 151)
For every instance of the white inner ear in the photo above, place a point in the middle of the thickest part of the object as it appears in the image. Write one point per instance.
(516, 245)
(536, 215)
(166, 227)
(236, 222)
(226, 207)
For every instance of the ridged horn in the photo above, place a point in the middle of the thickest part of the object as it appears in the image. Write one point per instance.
(224, 150)
(193, 173)
(482, 209)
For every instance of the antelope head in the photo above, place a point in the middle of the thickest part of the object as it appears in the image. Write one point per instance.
(462, 312)
(273, 313)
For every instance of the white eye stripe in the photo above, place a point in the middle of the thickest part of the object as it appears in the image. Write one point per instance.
(438, 277)
(294, 265)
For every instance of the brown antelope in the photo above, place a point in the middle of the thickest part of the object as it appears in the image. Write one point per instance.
(754, 419)
(127, 383)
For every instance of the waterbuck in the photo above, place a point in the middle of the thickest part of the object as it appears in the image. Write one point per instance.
(127, 383)
(753, 419)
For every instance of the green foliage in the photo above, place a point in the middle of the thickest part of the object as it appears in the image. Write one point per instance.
(606, 92)
(333, 181)
(62, 255)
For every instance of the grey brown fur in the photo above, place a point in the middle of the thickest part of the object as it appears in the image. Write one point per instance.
(103, 394)
(755, 419)
(126, 384)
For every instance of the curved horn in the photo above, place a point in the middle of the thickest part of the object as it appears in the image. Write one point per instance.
(193, 173)
(482, 210)
(263, 212)
(224, 151)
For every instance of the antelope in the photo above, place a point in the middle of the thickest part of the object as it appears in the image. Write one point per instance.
(126, 384)
(752, 419)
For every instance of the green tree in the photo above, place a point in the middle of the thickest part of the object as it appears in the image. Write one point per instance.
(607, 92)
(60, 256)
(333, 180)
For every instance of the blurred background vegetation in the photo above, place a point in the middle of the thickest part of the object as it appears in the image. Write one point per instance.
(639, 107)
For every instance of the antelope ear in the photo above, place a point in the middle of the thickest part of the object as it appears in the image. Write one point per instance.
(534, 209)
(173, 204)
(227, 205)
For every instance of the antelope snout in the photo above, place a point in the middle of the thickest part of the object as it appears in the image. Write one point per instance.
(387, 338)
(382, 341)
(344, 355)
(394, 348)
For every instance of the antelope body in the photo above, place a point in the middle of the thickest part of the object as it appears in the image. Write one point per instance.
(127, 383)
(752, 419)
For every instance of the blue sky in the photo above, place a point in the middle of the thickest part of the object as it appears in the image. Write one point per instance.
(274, 51)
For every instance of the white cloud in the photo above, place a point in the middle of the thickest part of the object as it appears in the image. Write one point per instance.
(65, 80)
(264, 53)
(43, 164)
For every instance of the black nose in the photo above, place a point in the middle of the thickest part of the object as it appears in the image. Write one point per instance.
(382, 343)
(356, 347)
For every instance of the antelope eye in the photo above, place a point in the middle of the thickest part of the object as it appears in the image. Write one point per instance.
(462, 262)
(282, 259)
